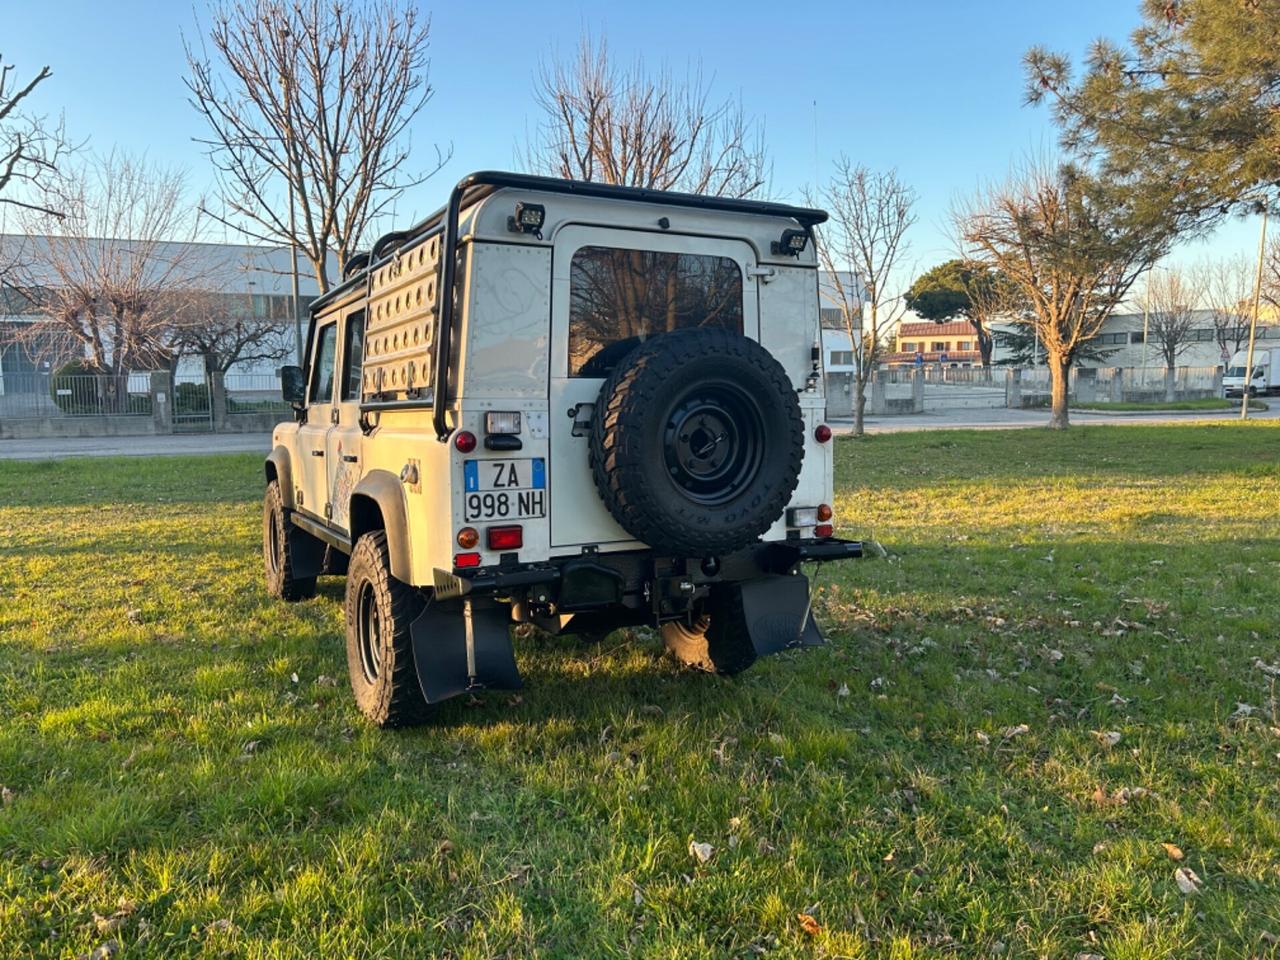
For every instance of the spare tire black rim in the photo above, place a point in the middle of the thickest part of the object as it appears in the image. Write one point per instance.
(712, 442)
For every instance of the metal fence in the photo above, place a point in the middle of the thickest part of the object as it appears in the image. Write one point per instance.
(40, 395)
(254, 393)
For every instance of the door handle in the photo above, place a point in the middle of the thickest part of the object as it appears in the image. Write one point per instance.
(317, 453)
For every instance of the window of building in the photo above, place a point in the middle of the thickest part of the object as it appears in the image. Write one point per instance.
(618, 298)
(1111, 339)
(322, 372)
(908, 348)
(841, 357)
(353, 357)
(939, 346)
(1137, 337)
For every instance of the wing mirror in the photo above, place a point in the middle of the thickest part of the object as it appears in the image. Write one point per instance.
(293, 385)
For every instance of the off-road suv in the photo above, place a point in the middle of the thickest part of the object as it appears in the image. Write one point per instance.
(570, 404)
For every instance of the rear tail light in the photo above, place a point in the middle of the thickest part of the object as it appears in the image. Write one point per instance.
(824, 511)
(464, 560)
(505, 538)
(822, 433)
(465, 441)
(468, 537)
(505, 423)
(824, 530)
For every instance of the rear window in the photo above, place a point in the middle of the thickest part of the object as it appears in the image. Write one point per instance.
(618, 298)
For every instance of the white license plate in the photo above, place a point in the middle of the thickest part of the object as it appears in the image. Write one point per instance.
(507, 489)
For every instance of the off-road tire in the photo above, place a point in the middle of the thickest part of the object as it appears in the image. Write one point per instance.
(278, 540)
(662, 487)
(380, 652)
(718, 641)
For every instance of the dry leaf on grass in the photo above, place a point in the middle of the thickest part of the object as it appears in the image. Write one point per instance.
(1187, 880)
(1173, 850)
(1108, 738)
(701, 851)
(808, 924)
(1010, 732)
(982, 738)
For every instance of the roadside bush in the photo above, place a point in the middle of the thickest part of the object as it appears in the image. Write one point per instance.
(190, 398)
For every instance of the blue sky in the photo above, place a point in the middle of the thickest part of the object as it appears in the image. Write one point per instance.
(931, 87)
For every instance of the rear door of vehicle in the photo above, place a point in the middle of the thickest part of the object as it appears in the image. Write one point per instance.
(611, 289)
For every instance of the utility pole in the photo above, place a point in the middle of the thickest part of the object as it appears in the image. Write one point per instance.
(1253, 320)
(293, 228)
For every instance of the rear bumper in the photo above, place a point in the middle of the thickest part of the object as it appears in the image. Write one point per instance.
(633, 578)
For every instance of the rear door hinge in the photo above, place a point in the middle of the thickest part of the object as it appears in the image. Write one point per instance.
(764, 273)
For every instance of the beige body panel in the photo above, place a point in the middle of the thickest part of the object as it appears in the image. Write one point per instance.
(509, 356)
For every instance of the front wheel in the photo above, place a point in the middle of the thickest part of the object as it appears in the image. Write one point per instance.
(379, 611)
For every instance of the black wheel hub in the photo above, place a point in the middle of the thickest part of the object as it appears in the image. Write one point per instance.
(369, 632)
(712, 442)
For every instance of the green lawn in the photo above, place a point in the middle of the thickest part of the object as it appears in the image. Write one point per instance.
(185, 773)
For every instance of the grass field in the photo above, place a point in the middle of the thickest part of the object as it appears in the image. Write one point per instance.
(1066, 661)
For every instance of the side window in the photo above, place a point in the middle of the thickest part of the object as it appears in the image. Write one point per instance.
(353, 357)
(322, 372)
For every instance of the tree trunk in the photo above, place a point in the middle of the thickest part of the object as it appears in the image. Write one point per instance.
(1060, 378)
(984, 342)
(1170, 383)
(859, 402)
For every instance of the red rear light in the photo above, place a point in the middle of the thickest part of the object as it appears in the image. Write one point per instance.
(466, 560)
(465, 441)
(824, 530)
(822, 433)
(824, 512)
(505, 538)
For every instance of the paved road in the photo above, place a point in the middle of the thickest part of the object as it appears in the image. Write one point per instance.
(1005, 419)
(960, 418)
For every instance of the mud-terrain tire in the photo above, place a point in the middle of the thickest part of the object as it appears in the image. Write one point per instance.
(718, 640)
(697, 442)
(278, 541)
(379, 610)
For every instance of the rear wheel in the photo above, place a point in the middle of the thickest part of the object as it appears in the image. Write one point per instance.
(379, 611)
(717, 640)
(279, 543)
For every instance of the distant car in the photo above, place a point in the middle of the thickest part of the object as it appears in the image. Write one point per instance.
(568, 404)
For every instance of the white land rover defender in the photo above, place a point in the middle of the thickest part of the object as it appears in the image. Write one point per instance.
(576, 405)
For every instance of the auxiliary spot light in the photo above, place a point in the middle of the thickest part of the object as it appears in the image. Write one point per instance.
(792, 243)
(528, 218)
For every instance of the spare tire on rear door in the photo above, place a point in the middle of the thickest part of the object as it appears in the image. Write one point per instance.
(697, 441)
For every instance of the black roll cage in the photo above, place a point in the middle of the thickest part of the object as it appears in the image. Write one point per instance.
(477, 186)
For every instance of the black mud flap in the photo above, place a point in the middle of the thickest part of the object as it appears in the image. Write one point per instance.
(777, 613)
(463, 646)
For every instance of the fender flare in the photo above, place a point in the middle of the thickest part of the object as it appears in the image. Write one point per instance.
(278, 462)
(381, 490)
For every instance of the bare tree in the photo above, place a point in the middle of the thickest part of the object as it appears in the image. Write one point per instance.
(110, 275)
(1071, 247)
(223, 329)
(870, 213)
(627, 125)
(1228, 287)
(1169, 298)
(30, 145)
(309, 104)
